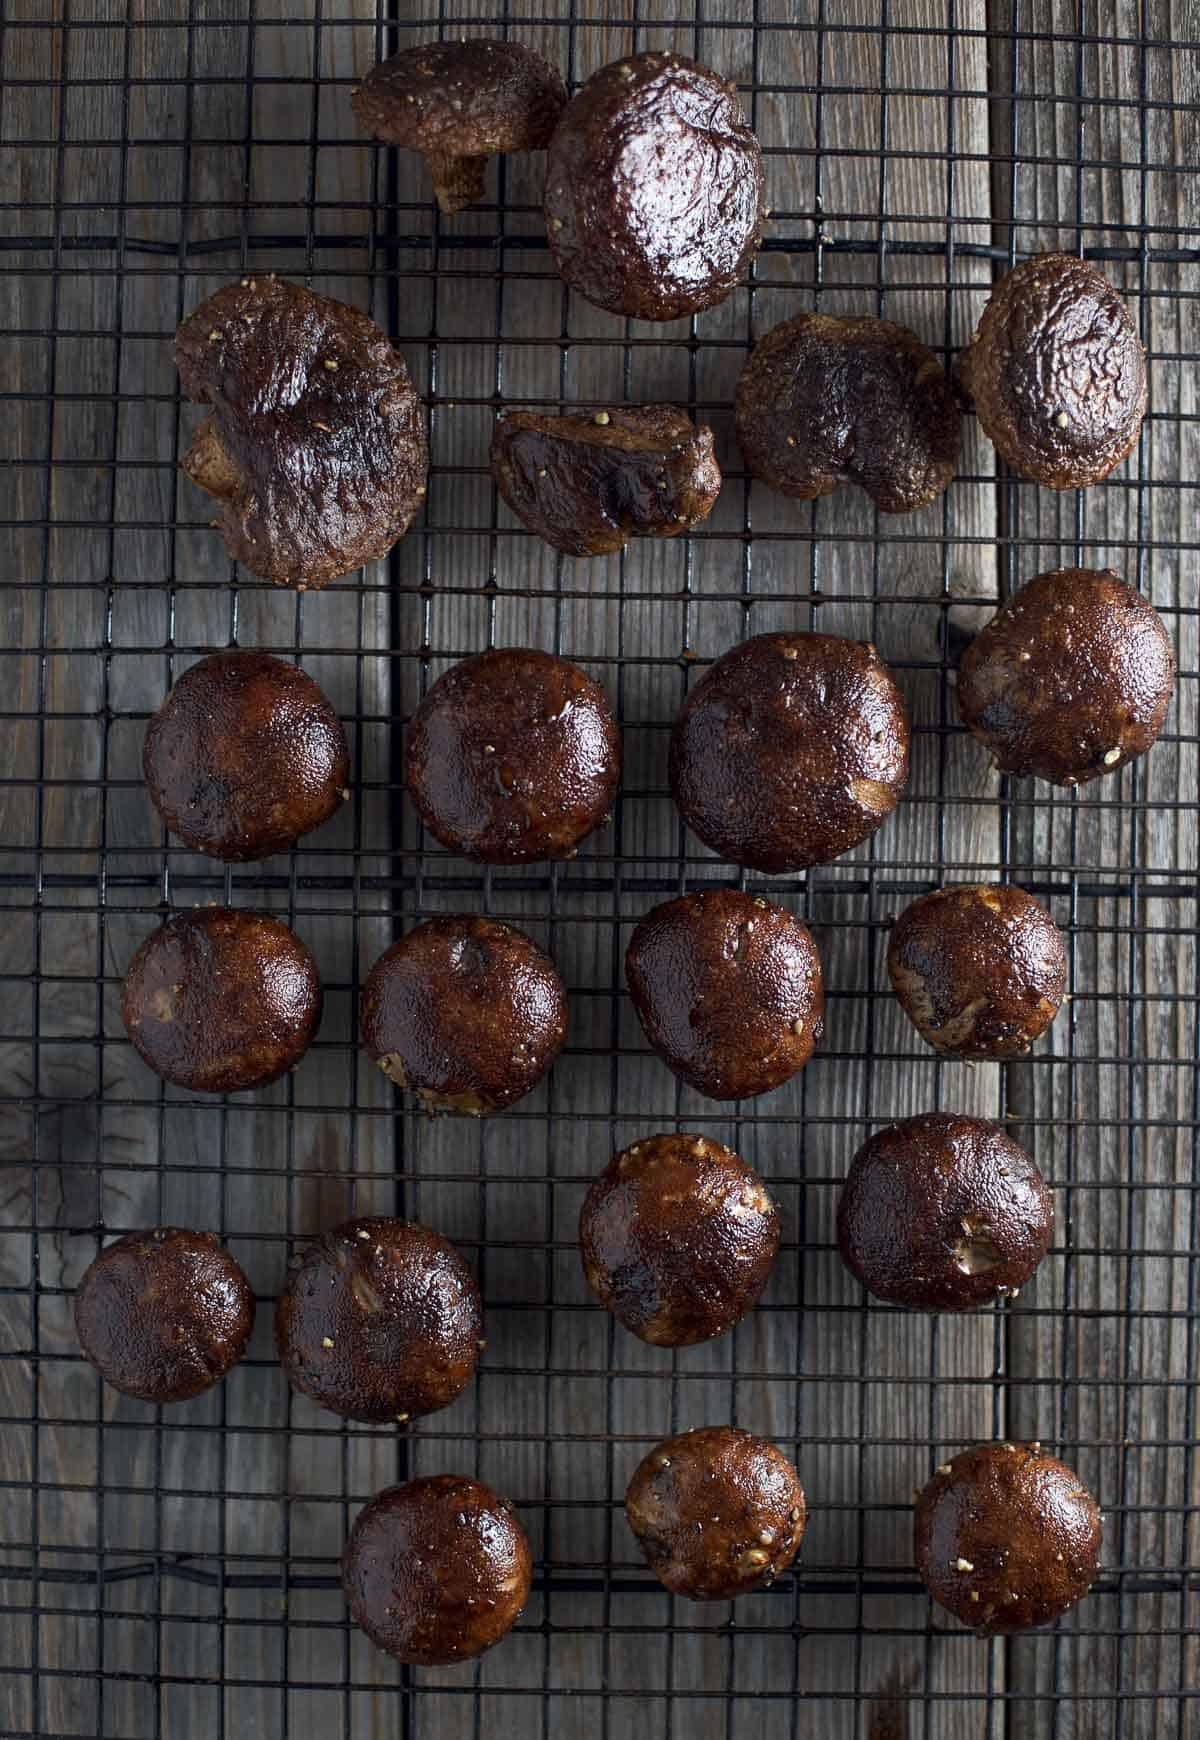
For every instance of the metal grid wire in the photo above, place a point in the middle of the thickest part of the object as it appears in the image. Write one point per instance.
(169, 1573)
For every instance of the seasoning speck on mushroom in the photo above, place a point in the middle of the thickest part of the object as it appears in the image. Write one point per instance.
(825, 400)
(318, 469)
(586, 483)
(459, 103)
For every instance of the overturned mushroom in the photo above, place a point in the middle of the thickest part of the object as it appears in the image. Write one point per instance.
(824, 401)
(315, 442)
(458, 103)
(588, 482)
(1057, 372)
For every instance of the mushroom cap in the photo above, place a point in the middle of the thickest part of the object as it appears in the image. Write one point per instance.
(1058, 372)
(654, 188)
(825, 400)
(1006, 1537)
(245, 756)
(790, 750)
(316, 441)
(978, 968)
(943, 1213)
(1071, 679)
(587, 482)
(462, 99)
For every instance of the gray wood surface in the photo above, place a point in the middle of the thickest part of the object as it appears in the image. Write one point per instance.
(867, 1400)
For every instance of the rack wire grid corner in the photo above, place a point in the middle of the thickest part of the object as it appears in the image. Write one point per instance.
(174, 1572)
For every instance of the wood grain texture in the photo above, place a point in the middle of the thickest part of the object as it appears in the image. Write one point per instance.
(860, 127)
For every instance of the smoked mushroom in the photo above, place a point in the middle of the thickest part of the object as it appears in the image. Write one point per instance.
(1070, 679)
(678, 1235)
(943, 1213)
(825, 400)
(244, 756)
(654, 188)
(790, 750)
(221, 999)
(165, 1314)
(978, 968)
(437, 1570)
(728, 991)
(314, 443)
(513, 756)
(467, 1013)
(381, 1320)
(1006, 1537)
(1057, 372)
(458, 103)
(716, 1511)
(587, 482)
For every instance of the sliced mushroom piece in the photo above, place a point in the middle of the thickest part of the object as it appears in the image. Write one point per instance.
(459, 103)
(315, 442)
(1057, 372)
(824, 401)
(587, 482)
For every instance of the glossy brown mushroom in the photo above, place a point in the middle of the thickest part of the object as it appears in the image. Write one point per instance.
(588, 482)
(790, 750)
(1006, 1537)
(654, 188)
(315, 440)
(1071, 679)
(1057, 372)
(513, 756)
(678, 1236)
(728, 991)
(165, 1314)
(978, 968)
(437, 1570)
(380, 1321)
(943, 1213)
(221, 999)
(245, 756)
(717, 1512)
(467, 1013)
(825, 400)
(459, 103)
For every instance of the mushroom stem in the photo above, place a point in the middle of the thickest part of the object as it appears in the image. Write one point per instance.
(207, 462)
(457, 181)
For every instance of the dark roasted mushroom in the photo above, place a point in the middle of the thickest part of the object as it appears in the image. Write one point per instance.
(315, 442)
(716, 1511)
(221, 999)
(513, 756)
(790, 750)
(380, 1321)
(1057, 372)
(163, 1315)
(458, 103)
(1070, 680)
(437, 1570)
(979, 969)
(244, 756)
(654, 188)
(825, 400)
(587, 483)
(1006, 1537)
(678, 1235)
(943, 1213)
(467, 1013)
(728, 991)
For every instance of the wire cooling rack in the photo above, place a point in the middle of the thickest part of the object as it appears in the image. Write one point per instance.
(174, 1573)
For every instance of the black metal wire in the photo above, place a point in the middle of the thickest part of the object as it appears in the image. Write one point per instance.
(236, 1622)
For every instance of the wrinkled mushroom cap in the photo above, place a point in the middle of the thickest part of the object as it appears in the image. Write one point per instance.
(825, 400)
(315, 445)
